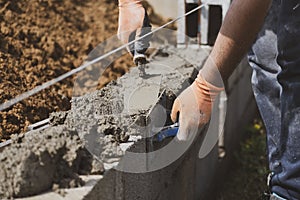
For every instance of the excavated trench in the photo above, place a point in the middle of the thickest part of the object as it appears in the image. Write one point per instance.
(97, 123)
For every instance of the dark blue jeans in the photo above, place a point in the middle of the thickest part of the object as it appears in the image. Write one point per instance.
(275, 59)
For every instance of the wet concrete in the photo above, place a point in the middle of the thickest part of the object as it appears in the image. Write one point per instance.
(34, 163)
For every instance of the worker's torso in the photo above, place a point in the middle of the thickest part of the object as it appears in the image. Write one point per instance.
(280, 36)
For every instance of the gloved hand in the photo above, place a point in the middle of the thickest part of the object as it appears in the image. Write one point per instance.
(134, 23)
(195, 106)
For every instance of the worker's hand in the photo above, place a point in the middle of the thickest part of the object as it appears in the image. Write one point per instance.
(134, 23)
(194, 106)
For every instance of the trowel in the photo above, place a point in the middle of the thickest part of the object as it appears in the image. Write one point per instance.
(166, 132)
(146, 87)
(140, 61)
(159, 117)
(152, 99)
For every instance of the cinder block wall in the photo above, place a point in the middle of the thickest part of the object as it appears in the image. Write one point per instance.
(189, 178)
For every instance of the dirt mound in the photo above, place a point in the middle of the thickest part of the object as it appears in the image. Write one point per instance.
(42, 39)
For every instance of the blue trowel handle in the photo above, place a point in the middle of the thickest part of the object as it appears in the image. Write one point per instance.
(170, 132)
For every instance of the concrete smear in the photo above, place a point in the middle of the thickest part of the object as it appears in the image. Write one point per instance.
(34, 163)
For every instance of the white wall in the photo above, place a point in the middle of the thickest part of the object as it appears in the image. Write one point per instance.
(165, 8)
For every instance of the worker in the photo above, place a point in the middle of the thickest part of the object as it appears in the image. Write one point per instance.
(134, 23)
(275, 59)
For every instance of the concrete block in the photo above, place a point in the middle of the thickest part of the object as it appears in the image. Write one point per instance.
(69, 194)
(243, 69)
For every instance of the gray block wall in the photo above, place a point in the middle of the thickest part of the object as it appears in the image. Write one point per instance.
(188, 178)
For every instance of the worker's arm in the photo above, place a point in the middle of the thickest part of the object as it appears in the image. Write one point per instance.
(241, 25)
(239, 29)
(134, 23)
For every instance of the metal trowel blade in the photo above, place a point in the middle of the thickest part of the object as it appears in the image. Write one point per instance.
(144, 96)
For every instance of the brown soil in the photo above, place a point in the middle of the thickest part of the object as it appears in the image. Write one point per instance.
(42, 39)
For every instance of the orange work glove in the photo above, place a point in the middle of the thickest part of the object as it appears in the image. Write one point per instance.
(195, 106)
(134, 23)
